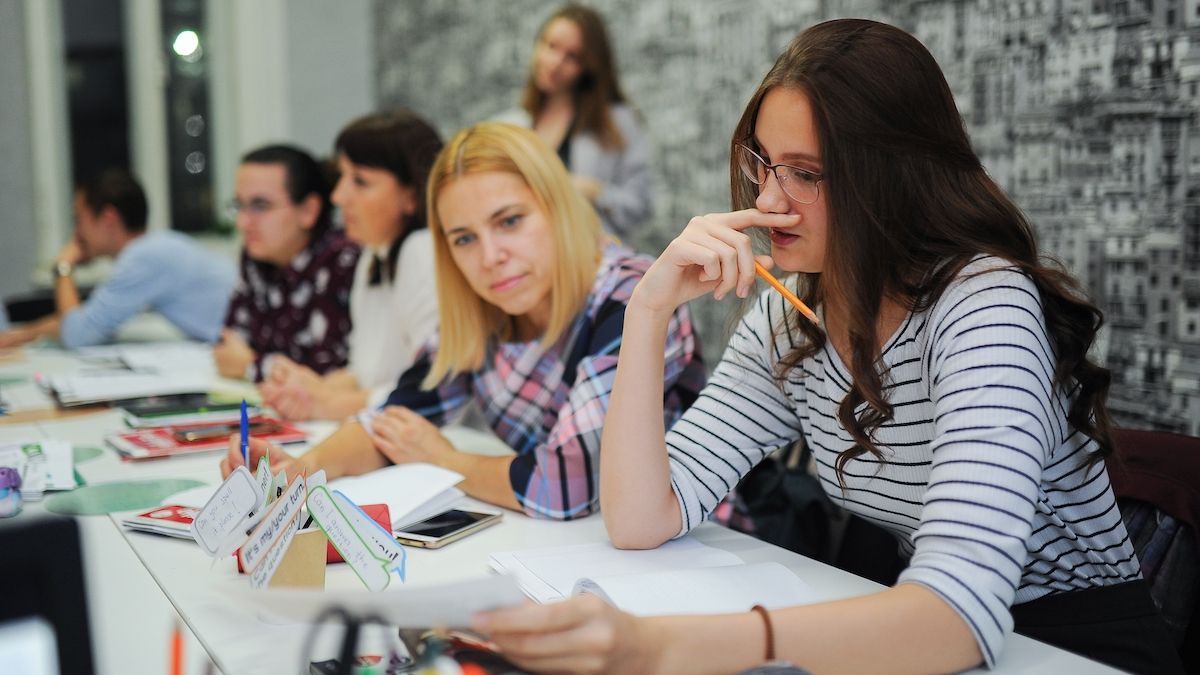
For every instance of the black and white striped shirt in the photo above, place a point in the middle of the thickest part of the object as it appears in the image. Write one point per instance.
(984, 481)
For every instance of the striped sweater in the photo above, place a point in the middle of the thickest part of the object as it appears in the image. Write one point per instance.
(985, 483)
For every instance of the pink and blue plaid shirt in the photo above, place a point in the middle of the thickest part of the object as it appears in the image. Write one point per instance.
(550, 406)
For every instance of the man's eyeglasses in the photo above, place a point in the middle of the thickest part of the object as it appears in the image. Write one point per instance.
(799, 184)
(254, 207)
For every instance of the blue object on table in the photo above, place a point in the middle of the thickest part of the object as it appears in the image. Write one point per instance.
(10, 492)
(245, 437)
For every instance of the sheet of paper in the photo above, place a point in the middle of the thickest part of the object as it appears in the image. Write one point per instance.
(403, 487)
(112, 385)
(274, 526)
(407, 606)
(363, 544)
(52, 461)
(548, 574)
(220, 527)
(704, 590)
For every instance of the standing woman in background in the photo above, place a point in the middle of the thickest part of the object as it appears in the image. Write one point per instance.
(384, 162)
(574, 102)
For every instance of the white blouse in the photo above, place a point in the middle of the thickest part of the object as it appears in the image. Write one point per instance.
(392, 321)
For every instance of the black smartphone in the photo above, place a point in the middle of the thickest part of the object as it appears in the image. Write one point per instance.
(221, 431)
(445, 527)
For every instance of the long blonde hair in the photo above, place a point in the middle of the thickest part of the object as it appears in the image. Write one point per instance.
(468, 323)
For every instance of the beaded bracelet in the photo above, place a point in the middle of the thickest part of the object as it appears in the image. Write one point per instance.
(766, 617)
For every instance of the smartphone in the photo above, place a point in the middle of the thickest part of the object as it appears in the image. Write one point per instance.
(222, 431)
(445, 527)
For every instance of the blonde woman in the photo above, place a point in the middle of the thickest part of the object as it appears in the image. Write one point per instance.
(531, 299)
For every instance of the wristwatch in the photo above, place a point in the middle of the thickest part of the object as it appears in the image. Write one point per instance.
(61, 269)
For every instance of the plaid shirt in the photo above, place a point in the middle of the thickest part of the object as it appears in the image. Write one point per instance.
(550, 406)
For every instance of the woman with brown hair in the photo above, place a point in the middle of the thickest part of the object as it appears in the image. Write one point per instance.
(946, 395)
(574, 102)
(383, 162)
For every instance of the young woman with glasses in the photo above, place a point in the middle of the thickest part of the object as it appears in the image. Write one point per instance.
(293, 296)
(383, 161)
(946, 395)
(573, 100)
(531, 296)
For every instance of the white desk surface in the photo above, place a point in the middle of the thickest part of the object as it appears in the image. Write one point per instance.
(131, 618)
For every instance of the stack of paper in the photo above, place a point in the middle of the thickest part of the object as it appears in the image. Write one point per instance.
(173, 521)
(43, 465)
(682, 576)
(413, 492)
(101, 386)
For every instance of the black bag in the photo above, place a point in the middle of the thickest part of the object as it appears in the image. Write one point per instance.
(787, 505)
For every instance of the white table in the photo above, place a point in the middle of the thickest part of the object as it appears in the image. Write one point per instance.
(131, 619)
(205, 594)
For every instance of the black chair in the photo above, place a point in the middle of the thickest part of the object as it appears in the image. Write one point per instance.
(1156, 478)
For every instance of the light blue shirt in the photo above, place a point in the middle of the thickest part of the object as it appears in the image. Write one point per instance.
(164, 272)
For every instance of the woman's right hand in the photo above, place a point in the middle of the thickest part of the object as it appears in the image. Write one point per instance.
(582, 634)
(292, 390)
(277, 459)
(233, 355)
(713, 254)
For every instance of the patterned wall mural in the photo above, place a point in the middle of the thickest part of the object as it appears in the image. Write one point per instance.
(1083, 110)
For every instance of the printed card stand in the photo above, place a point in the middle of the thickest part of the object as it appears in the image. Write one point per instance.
(277, 552)
(364, 544)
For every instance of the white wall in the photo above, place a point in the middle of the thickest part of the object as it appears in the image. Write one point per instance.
(332, 45)
(281, 70)
(18, 238)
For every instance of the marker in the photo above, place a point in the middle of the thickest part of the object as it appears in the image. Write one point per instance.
(176, 650)
(783, 290)
(245, 436)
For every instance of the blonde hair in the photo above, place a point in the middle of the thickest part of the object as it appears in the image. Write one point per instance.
(467, 322)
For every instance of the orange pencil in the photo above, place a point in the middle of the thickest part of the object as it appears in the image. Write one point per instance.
(177, 650)
(788, 295)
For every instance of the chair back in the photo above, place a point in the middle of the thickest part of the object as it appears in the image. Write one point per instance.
(1155, 476)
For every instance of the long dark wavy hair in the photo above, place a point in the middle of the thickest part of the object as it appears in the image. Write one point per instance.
(597, 88)
(909, 205)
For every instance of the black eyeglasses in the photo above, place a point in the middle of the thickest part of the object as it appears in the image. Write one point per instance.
(254, 207)
(801, 185)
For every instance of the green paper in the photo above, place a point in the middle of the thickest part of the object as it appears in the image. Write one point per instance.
(93, 500)
(87, 453)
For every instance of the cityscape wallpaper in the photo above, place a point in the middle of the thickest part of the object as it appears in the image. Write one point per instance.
(1083, 110)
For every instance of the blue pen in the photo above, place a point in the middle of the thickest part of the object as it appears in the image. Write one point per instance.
(245, 436)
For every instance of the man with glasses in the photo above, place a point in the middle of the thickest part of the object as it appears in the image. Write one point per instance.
(162, 271)
(293, 297)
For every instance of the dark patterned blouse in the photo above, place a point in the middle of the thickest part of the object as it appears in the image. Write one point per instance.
(301, 311)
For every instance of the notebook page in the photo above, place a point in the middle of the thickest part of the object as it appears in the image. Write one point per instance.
(706, 590)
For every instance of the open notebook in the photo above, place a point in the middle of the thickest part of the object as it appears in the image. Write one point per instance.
(682, 576)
